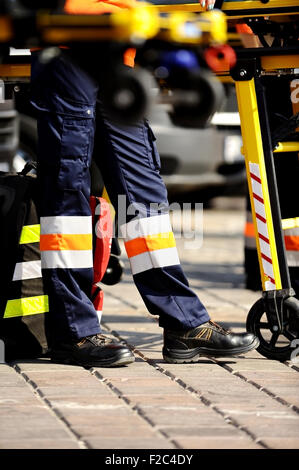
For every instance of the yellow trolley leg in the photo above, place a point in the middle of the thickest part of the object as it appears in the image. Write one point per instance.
(258, 185)
(275, 317)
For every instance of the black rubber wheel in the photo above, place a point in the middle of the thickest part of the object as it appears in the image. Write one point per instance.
(273, 345)
(113, 272)
(127, 95)
(199, 97)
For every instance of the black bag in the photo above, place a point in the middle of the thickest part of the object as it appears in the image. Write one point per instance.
(23, 303)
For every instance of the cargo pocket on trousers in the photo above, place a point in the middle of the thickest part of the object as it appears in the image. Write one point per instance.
(74, 153)
(155, 157)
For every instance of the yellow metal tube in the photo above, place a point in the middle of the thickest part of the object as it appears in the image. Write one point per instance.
(287, 147)
(254, 159)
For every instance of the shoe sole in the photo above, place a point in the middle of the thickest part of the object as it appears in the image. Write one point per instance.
(179, 356)
(61, 358)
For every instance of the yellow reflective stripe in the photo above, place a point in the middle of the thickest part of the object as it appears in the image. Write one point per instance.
(26, 306)
(150, 243)
(290, 223)
(30, 234)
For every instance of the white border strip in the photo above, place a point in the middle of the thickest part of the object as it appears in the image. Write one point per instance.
(66, 259)
(146, 226)
(75, 225)
(154, 259)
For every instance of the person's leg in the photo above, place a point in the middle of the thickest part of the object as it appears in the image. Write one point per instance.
(65, 98)
(129, 162)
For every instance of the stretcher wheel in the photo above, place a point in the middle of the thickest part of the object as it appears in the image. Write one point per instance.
(273, 345)
(127, 95)
(113, 272)
(196, 103)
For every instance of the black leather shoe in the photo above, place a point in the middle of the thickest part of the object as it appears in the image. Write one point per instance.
(92, 351)
(208, 339)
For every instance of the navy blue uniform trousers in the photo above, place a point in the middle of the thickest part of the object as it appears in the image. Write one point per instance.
(66, 99)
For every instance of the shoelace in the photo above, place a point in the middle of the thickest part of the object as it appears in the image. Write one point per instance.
(219, 328)
(97, 340)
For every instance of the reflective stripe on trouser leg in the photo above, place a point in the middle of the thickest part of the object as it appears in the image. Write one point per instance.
(129, 162)
(66, 130)
(25, 293)
(291, 237)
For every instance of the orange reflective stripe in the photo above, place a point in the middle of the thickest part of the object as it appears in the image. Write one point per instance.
(150, 243)
(292, 242)
(249, 230)
(58, 242)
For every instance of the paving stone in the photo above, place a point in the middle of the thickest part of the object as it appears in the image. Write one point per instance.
(16, 392)
(114, 431)
(282, 442)
(39, 444)
(65, 391)
(11, 380)
(23, 411)
(96, 411)
(148, 386)
(205, 431)
(260, 366)
(216, 443)
(130, 443)
(28, 431)
(86, 402)
(180, 401)
(136, 370)
(262, 430)
(61, 378)
(181, 417)
(107, 419)
(45, 365)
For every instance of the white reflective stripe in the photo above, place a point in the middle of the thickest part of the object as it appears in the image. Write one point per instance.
(291, 232)
(154, 259)
(293, 258)
(254, 169)
(259, 208)
(262, 228)
(269, 285)
(67, 259)
(265, 248)
(27, 270)
(268, 268)
(257, 188)
(66, 225)
(146, 226)
(99, 314)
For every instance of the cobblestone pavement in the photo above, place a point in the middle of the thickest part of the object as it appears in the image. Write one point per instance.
(247, 402)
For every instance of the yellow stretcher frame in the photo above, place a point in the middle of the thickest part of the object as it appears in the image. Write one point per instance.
(254, 154)
(241, 9)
